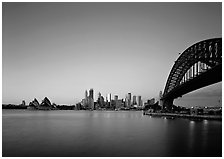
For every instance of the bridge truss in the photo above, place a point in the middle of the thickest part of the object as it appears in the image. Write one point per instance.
(196, 60)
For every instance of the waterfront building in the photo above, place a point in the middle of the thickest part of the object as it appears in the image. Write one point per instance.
(86, 94)
(85, 101)
(33, 104)
(126, 101)
(196, 110)
(100, 101)
(134, 100)
(112, 104)
(91, 103)
(91, 99)
(139, 101)
(91, 93)
(151, 101)
(119, 104)
(23, 103)
(88, 101)
(212, 110)
(45, 104)
(116, 97)
(108, 101)
(129, 100)
(160, 97)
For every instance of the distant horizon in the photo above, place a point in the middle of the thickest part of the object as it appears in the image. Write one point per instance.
(59, 50)
(176, 102)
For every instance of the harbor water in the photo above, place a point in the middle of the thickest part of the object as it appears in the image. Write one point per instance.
(68, 133)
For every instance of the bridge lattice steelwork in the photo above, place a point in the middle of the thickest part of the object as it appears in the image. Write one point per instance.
(196, 60)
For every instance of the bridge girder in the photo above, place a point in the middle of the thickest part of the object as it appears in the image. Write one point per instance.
(208, 52)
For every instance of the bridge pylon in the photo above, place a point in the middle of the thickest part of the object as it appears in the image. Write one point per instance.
(167, 103)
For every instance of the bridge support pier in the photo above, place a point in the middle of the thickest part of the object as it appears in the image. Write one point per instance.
(167, 104)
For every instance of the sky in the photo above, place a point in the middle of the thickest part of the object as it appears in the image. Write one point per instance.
(59, 50)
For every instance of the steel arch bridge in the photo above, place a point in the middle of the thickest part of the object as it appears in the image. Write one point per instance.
(198, 66)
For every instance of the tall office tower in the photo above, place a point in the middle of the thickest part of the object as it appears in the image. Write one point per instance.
(91, 99)
(100, 100)
(139, 101)
(115, 101)
(91, 103)
(106, 102)
(86, 94)
(91, 93)
(126, 101)
(134, 100)
(129, 99)
(86, 101)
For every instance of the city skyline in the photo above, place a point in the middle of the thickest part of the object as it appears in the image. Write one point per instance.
(59, 50)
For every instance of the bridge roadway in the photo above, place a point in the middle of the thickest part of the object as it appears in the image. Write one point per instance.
(206, 78)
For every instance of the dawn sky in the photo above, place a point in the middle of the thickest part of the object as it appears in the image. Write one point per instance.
(59, 50)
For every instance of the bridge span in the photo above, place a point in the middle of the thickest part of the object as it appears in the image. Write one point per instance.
(198, 66)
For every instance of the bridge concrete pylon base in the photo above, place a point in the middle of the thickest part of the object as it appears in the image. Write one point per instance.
(167, 104)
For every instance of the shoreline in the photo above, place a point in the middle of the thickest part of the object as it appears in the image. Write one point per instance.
(167, 115)
(196, 117)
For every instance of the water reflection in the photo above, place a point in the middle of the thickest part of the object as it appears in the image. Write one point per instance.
(106, 133)
(204, 134)
(191, 136)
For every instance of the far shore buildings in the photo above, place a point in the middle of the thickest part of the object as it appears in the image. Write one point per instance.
(23, 103)
(160, 97)
(109, 103)
(139, 101)
(88, 101)
(118, 103)
(134, 100)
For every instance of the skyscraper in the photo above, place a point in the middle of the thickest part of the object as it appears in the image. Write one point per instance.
(100, 100)
(134, 100)
(139, 101)
(91, 93)
(86, 94)
(126, 101)
(129, 100)
(89, 99)
(85, 101)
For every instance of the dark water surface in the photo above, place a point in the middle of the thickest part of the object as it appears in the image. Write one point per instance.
(106, 133)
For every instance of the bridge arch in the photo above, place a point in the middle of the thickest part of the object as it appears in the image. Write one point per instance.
(196, 63)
